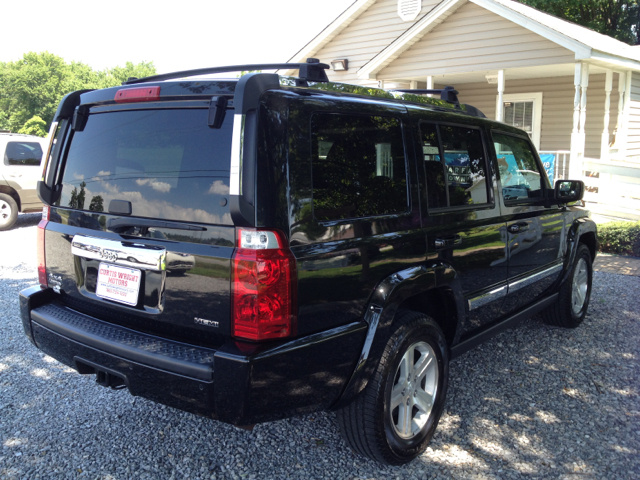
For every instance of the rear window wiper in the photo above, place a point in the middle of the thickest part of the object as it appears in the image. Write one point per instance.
(119, 224)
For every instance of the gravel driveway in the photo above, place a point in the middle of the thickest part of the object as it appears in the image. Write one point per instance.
(535, 401)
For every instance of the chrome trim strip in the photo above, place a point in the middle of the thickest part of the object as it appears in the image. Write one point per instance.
(525, 282)
(488, 297)
(131, 254)
(237, 141)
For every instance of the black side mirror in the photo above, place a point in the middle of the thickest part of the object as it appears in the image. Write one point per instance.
(568, 191)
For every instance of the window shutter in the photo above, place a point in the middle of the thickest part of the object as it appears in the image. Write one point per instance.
(409, 9)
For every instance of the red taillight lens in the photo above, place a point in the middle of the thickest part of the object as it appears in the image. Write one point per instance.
(263, 286)
(132, 95)
(42, 264)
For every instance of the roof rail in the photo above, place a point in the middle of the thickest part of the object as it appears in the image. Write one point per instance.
(448, 94)
(312, 71)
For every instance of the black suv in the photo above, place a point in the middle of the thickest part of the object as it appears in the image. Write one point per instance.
(262, 247)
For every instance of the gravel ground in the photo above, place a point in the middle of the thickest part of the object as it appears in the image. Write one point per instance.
(534, 402)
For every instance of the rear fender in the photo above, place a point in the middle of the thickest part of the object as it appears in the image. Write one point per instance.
(380, 312)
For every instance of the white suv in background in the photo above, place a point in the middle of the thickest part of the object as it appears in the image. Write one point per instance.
(20, 170)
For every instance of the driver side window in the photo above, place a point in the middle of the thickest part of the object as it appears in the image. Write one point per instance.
(519, 172)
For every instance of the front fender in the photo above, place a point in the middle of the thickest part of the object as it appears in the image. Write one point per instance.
(578, 228)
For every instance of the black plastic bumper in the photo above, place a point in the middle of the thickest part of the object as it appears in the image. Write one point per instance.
(238, 383)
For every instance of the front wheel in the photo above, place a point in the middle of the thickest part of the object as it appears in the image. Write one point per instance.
(393, 419)
(571, 306)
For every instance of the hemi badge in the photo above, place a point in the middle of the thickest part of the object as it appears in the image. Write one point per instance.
(208, 323)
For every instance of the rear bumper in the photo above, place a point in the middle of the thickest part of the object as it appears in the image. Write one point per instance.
(239, 383)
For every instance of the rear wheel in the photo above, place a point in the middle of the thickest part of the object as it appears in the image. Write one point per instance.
(571, 306)
(8, 211)
(393, 419)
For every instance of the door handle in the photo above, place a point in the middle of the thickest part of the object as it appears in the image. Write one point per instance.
(518, 228)
(14, 175)
(443, 242)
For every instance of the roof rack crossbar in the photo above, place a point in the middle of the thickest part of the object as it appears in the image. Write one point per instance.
(312, 71)
(448, 94)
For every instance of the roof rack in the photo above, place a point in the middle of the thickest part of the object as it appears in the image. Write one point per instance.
(448, 94)
(312, 71)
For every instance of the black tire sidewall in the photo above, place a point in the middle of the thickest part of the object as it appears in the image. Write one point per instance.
(14, 211)
(427, 331)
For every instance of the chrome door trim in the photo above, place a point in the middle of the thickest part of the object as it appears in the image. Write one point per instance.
(131, 254)
(237, 141)
(531, 279)
(488, 297)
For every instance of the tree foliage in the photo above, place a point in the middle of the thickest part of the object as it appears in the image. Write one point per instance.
(619, 19)
(34, 85)
(34, 126)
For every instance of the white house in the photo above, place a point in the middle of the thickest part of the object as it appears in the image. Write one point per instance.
(576, 92)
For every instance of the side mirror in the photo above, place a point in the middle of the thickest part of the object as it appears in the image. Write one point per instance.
(568, 191)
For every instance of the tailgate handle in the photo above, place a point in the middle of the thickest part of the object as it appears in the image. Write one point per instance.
(130, 254)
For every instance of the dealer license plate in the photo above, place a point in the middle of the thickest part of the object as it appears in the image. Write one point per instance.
(120, 284)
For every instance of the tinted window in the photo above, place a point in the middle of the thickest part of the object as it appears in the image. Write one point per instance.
(358, 166)
(519, 172)
(168, 163)
(23, 153)
(455, 167)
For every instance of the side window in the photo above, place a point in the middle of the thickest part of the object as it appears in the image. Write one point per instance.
(358, 166)
(519, 172)
(23, 153)
(455, 166)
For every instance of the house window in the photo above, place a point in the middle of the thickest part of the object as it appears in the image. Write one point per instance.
(524, 111)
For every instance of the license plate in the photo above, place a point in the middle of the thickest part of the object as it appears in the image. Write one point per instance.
(119, 284)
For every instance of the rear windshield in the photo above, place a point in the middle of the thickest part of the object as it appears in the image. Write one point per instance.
(168, 163)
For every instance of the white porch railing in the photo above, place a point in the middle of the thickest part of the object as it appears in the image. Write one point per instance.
(612, 186)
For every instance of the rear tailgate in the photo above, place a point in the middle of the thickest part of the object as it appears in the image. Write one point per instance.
(163, 268)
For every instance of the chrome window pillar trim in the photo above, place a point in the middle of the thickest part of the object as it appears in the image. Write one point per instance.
(237, 142)
(488, 297)
(531, 279)
(130, 254)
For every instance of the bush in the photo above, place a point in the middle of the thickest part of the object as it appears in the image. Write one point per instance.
(620, 237)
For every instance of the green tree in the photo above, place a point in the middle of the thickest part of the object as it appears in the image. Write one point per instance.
(34, 85)
(619, 19)
(34, 126)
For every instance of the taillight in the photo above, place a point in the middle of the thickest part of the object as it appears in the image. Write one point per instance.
(42, 264)
(263, 286)
(132, 95)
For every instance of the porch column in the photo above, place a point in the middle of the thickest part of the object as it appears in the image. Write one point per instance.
(499, 107)
(580, 82)
(430, 84)
(604, 143)
(381, 84)
(624, 126)
(413, 85)
(617, 132)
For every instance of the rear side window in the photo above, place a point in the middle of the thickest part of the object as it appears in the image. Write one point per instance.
(168, 163)
(520, 174)
(23, 153)
(358, 166)
(455, 165)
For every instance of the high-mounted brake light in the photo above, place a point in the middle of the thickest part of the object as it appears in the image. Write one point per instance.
(263, 287)
(132, 95)
(42, 264)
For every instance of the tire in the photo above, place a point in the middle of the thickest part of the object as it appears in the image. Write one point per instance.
(8, 212)
(573, 299)
(371, 425)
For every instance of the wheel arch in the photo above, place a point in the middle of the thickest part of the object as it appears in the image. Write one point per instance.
(7, 190)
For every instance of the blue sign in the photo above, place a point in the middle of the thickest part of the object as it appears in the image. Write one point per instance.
(549, 164)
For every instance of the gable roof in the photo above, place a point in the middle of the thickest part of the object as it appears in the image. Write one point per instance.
(585, 43)
(330, 32)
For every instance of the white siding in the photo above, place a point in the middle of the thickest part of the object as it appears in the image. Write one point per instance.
(474, 39)
(633, 132)
(366, 36)
(557, 108)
